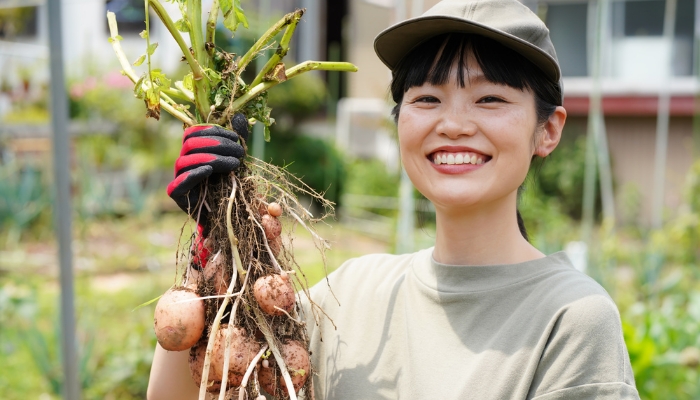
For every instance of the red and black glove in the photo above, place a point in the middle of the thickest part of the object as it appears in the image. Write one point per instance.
(206, 150)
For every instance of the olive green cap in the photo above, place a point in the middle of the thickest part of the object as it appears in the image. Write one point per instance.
(508, 22)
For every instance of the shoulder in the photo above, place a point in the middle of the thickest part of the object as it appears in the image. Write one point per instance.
(572, 292)
(584, 341)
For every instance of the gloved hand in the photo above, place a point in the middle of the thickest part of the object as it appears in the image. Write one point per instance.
(206, 150)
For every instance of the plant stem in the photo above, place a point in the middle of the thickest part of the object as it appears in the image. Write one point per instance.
(170, 25)
(267, 37)
(291, 73)
(281, 51)
(270, 339)
(182, 95)
(201, 86)
(211, 25)
(249, 371)
(129, 72)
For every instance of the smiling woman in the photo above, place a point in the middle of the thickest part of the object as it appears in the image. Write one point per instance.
(483, 314)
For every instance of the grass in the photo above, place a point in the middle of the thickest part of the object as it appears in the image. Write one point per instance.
(119, 264)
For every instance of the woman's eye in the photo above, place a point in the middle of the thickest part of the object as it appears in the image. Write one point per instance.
(491, 99)
(427, 99)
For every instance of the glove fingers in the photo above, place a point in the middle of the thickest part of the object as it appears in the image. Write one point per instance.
(240, 124)
(218, 164)
(209, 130)
(212, 144)
(185, 188)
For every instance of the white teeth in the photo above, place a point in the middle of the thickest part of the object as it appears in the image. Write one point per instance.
(457, 159)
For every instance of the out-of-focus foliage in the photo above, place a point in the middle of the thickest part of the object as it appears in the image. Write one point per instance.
(114, 359)
(297, 98)
(652, 276)
(315, 161)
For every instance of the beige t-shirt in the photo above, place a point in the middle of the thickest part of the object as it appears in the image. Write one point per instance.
(411, 328)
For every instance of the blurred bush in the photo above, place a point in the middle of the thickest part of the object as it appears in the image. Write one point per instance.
(315, 161)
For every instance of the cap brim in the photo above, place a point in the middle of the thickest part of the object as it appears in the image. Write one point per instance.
(392, 44)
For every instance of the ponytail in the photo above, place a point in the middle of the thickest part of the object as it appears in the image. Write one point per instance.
(521, 224)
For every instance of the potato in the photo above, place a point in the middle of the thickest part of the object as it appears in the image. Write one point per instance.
(216, 270)
(197, 365)
(243, 350)
(274, 209)
(297, 359)
(276, 245)
(272, 226)
(273, 291)
(179, 325)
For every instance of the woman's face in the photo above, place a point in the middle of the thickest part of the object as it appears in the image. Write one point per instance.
(471, 146)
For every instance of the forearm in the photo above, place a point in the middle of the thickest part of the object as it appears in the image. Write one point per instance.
(170, 376)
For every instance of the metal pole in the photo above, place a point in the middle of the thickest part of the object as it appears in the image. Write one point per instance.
(662, 121)
(594, 116)
(62, 204)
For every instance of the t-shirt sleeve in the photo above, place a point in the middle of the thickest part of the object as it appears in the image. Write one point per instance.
(585, 356)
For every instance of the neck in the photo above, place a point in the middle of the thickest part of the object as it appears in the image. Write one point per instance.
(485, 235)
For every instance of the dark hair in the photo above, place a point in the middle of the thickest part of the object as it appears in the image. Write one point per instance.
(433, 60)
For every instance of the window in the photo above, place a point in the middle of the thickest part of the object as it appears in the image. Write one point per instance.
(129, 15)
(18, 22)
(567, 27)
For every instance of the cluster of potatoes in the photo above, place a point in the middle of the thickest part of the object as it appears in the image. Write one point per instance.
(179, 323)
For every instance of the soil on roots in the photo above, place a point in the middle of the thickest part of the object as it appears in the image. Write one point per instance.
(257, 184)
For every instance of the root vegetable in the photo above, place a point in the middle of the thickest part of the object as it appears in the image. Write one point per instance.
(274, 293)
(179, 319)
(272, 226)
(196, 366)
(274, 209)
(275, 245)
(297, 359)
(243, 350)
(215, 273)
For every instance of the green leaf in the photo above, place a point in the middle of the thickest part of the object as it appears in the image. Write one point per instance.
(233, 14)
(144, 34)
(188, 81)
(118, 37)
(240, 15)
(152, 48)
(110, 40)
(140, 60)
(182, 25)
(159, 79)
(152, 96)
(212, 75)
(138, 88)
(146, 303)
(267, 133)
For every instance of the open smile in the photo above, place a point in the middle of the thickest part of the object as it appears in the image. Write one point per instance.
(458, 158)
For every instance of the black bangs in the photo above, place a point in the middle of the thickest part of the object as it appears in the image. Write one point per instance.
(433, 61)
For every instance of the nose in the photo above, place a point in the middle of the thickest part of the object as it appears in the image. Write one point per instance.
(456, 122)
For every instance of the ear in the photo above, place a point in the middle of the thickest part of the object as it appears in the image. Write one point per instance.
(551, 133)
